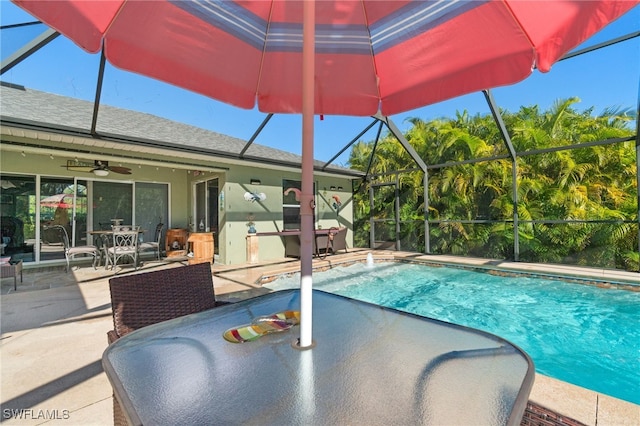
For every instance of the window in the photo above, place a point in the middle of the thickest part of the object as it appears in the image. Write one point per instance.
(291, 204)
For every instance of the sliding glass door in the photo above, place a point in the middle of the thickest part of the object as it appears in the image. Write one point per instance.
(18, 216)
(31, 206)
(111, 200)
(206, 208)
(151, 207)
(63, 202)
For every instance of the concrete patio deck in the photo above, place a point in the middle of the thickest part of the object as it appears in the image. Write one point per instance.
(54, 333)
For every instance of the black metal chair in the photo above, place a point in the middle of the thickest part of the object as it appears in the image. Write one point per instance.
(155, 245)
(106, 241)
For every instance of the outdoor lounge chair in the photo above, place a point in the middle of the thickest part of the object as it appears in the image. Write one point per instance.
(139, 300)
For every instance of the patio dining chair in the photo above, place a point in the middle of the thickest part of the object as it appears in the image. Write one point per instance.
(139, 300)
(338, 238)
(71, 252)
(105, 241)
(155, 245)
(125, 246)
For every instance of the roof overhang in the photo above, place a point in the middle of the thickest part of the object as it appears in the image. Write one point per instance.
(32, 137)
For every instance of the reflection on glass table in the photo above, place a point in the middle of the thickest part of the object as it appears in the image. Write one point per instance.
(368, 365)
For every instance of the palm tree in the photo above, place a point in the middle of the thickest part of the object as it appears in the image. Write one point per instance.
(590, 183)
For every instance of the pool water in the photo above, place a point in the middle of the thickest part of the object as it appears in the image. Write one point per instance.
(576, 333)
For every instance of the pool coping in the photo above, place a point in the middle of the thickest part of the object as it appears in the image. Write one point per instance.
(620, 280)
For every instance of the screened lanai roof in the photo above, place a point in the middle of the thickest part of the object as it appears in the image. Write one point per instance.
(102, 127)
(40, 114)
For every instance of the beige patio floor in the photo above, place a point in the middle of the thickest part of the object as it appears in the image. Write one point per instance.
(54, 333)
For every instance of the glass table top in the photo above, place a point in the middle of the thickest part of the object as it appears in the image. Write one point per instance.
(369, 365)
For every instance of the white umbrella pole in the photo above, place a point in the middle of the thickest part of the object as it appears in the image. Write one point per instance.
(307, 199)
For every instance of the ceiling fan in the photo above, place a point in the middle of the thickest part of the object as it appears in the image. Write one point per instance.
(99, 167)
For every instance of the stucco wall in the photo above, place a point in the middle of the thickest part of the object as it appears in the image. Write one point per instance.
(44, 165)
(234, 210)
(267, 214)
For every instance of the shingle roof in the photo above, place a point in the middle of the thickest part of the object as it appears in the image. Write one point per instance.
(47, 111)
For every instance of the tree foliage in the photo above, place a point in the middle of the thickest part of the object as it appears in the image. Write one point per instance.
(574, 206)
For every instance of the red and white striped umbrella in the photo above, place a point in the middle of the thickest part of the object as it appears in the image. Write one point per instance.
(342, 57)
(63, 201)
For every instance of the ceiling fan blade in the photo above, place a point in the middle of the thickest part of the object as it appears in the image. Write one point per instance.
(78, 166)
(121, 170)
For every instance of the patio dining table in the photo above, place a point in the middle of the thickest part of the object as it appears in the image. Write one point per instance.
(110, 231)
(99, 232)
(368, 365)
(291, 238)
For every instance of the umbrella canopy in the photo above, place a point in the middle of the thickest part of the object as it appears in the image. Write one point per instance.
(63, 201)
(342, 57)
(371, 55)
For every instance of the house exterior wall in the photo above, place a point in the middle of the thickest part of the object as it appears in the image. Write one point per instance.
(43, 165)
(234, 210)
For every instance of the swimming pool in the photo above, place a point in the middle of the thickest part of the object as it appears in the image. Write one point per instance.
(576, 333)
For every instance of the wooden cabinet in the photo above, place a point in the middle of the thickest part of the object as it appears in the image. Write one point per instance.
(252, 248)
(176, 242)
(201, 245)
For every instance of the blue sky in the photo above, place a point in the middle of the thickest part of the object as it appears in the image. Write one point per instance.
(609, 77)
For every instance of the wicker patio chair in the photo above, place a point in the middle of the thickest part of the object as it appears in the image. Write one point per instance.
(10, 269)
(537, 415)
(335, 240)
(338, 239)
(139, 300)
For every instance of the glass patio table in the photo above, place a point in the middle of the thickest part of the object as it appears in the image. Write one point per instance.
(368, 365)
